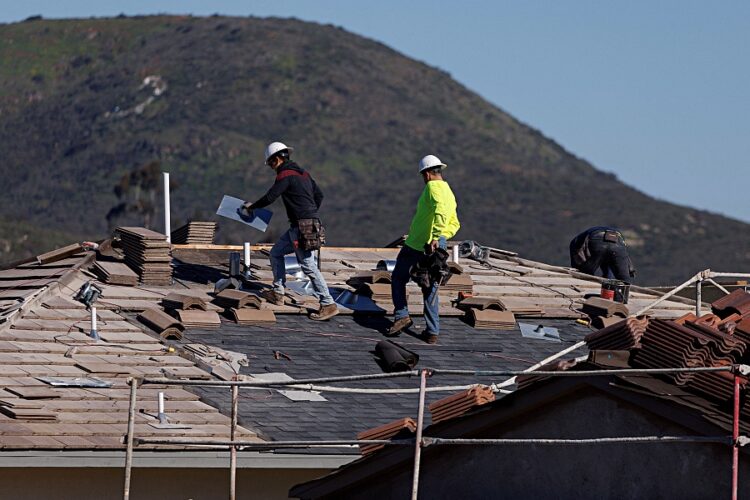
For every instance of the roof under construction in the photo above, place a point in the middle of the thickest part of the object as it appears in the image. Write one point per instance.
(64, 390)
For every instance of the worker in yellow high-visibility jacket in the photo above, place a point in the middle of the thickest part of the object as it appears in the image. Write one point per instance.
(434, 223)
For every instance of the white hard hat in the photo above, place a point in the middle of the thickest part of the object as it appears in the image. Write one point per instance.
(275, 147)
(430, 161)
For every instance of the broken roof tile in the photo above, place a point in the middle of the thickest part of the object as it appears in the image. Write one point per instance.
(736, 302)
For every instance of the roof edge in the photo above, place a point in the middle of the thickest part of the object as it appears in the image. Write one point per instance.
(170, 459)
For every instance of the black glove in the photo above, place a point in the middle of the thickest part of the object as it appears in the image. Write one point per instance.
(246, 213)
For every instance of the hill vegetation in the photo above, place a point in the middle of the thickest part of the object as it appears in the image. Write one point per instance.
(85, 104)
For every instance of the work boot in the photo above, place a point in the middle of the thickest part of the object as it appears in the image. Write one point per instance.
(399, 326)
(325, 312)
(429, 338)
(273, 297)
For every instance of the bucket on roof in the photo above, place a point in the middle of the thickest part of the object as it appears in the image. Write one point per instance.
(615, 290)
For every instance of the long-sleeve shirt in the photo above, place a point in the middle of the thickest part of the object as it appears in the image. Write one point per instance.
(299, 192)
(436, 215)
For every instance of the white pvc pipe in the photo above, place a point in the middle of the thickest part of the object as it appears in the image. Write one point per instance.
(247, 256)
(167, 215)
(161, 402)
(455, 254)
(93, 319)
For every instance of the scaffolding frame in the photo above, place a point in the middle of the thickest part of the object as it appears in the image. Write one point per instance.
(735, 440)
(419, 442)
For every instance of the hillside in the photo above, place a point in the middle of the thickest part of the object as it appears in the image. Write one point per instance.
(76, 119)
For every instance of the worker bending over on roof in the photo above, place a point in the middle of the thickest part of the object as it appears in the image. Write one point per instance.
(434, 223)
(302, 199)
(602, 248)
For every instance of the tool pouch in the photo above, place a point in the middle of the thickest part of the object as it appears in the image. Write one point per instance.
(430, 269)
(312, 234)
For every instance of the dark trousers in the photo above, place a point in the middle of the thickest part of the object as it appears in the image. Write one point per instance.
(407, 257)
(608, 256)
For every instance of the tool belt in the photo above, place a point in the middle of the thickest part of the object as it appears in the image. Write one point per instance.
(610, 236)
(430, 269)
(312, 234)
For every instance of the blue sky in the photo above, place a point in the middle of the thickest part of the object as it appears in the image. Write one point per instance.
(653, 91)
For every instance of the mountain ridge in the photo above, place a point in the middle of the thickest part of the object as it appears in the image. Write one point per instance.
(77, 117)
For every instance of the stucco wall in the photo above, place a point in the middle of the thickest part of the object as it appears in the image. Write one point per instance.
(148, 484)
(634, 471)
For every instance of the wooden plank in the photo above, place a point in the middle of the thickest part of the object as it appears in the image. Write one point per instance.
(59, 253)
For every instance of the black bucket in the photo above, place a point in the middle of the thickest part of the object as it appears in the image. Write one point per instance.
(616, 290)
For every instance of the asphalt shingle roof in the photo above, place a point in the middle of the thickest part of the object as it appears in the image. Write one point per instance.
(342, 347)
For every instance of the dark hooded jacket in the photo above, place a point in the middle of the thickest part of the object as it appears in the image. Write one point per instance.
(299, 192)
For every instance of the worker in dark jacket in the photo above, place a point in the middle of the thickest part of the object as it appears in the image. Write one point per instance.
(602, 248)
(302, 198)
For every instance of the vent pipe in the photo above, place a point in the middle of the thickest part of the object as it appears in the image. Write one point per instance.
(167, 218)
(247, 259)
(93, 334)
(455, 254)
(162, 416)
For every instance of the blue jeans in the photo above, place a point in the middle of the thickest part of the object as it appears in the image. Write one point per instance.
(285, 246)
(407, 257)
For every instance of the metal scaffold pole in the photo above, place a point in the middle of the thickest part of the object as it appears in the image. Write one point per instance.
(130, 438)
(233, 449)
(736, 437)
(418, 444)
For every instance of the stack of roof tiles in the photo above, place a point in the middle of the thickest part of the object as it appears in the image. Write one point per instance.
(487, 313)
(147, 253)
(623, 335)
(604, 312)
(244, 308)
(115, 273)
(667, 344)
(458, 404)
(403, 427)
(491, 319)
(718, 339)
(194, 232)
(459, 283)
